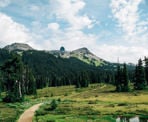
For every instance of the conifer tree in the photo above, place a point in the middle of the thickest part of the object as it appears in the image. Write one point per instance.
(84, 81)
(13, 79)
(146, 69)
(136, 77)
(140, 81)
(126, 83)
(122, 81)
(0, 84)
(118, 79)
(31, 84)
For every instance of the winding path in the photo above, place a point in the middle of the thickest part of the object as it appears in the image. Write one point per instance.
(27, 116)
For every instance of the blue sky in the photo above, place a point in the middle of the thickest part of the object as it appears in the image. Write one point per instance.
(108, 28)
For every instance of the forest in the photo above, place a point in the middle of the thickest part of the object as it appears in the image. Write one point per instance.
(23, 72)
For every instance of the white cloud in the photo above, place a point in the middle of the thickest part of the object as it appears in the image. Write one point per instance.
(4, 3)
(53, 26)
(10, 31)
(124, 53)
(73, 37)
(69, 10)
(62, 23)
(134, 37)
(126, 13)
(70, 40)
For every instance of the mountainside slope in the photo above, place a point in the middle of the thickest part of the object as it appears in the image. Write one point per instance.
(82, 54)
(50, 70)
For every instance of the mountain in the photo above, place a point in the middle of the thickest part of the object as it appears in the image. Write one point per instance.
(82, 54)
(85, 55)
(49, 70)
(18, 46)
(60, 67)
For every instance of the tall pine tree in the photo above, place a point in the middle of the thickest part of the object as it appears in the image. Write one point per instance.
(13, 79)
(122, 81)
(30, 82)
(146, 69)
(0, 83)
(118, 79)
(140, 80)
(126, 82)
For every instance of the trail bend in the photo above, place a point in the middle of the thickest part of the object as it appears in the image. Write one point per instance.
(28, 115)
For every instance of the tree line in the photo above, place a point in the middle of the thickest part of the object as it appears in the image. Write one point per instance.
(23, 74)
(140, 80)
(16, 80)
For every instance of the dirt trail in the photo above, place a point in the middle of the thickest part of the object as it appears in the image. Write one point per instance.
(27, 116)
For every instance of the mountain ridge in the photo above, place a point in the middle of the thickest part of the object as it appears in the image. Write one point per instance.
(82, 54)
(18, 46)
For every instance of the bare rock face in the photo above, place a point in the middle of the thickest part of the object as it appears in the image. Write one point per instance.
(18, 46)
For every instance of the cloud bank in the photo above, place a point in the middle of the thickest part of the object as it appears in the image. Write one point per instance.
(50, 24)
(10, 31)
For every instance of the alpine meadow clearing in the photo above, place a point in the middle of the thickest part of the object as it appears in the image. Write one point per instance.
(96, 103)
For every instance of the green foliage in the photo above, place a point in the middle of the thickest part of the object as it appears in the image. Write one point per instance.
(146, 69)
(82, 80)
(53, 104)
(54, 71)
(122, 80)
(118, 79)
(17, 79)
(140, 79)
(126, 82)
(49, 70)
(30, 82)
(13, 79)
(0, 84)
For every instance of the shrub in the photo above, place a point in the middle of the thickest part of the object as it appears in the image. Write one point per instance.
(53, 104)
(59, 100)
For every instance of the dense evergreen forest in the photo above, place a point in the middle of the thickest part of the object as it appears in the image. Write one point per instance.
(22, 72)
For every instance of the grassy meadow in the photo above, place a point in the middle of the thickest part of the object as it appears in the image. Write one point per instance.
(97, 103)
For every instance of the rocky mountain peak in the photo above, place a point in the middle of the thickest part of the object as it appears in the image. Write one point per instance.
(82, 50)
(18, 46)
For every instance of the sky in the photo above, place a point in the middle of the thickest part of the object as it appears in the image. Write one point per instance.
(111, 29)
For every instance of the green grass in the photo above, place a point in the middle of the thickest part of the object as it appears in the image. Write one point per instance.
(10, 112)
(97, 103)
(88, 60)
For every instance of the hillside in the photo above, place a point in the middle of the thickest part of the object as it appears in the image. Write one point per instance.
(49, 70)
(55, 68)
(82, 54)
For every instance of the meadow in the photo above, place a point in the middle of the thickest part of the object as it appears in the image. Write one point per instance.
(97, 103)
